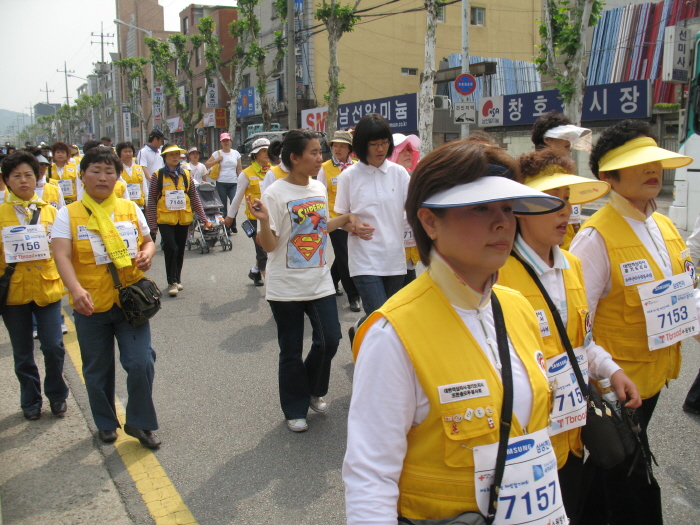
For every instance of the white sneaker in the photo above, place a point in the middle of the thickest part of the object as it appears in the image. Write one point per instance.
(64, 328)
(297, 425)
(318, 404)
(180, 287)
(172, 290)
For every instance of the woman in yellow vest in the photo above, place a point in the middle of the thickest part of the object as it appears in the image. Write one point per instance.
(133, 175)
(341, 146)
(120, 189)
(629, 251)
(35, 288)
(249, 183)
(64, 171)
(536, 250)
(89, 235)
(171, 202)
(426, 409)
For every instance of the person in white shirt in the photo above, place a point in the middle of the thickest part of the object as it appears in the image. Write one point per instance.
(293, 229)
(375, 190)
(428, 390)
(623, 247)
(149, 156)
(229, 161)
(198, 171)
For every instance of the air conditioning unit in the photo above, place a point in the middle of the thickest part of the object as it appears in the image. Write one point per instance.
(442, 102)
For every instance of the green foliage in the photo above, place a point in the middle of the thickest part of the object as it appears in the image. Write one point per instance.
(675, 106)
(342, 16)
(338, 87)
(565, 39)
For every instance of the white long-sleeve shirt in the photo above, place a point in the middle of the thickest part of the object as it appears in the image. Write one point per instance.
(600, 362)
(589, 246)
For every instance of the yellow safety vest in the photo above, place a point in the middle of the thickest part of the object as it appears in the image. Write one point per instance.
(70, 171)
(136, 177)
(331, 172)
(119, 189)
(95, 278)
(166, 216)
(437, 479)
(36, 281)
(51, 195)
(255, 177)
(513, 275)
(619, 325)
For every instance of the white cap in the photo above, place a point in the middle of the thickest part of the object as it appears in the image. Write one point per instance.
(42, 159)
(259, 144)
(493, 189)
(569, 132)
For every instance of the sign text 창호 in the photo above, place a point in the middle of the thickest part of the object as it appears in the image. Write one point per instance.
(401, 112)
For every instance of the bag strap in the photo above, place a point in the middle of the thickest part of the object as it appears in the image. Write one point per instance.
(10, 268)
(507, 407)
(560, 325)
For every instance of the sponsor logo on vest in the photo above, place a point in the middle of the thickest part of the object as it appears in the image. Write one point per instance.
(17, 229)
(558, 364)
(662, 287)
(517, 449)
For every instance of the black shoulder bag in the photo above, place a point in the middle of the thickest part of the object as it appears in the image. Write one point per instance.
(476, 518)
(140, 301)
(10, 269)
(609, 439)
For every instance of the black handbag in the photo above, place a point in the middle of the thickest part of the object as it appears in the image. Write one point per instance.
(608, 438)
(10, 269)
(140, 301)
(476, 518)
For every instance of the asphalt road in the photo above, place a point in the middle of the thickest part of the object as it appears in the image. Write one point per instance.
(225, 443)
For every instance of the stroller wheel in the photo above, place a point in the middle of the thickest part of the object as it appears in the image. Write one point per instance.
(201, 246)
(188, 244)
(206, 249)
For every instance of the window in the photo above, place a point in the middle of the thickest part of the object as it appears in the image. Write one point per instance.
(410, 71)
(478, 16)
(441, 13)
(198, 56)
(199, 97)
(246, 81)
(185, 25)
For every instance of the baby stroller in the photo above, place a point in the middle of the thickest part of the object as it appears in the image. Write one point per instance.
(205, 239)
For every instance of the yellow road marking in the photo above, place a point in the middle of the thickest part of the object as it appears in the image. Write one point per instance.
(159, 494)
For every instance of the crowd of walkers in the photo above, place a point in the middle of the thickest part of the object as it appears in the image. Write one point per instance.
(473, 281)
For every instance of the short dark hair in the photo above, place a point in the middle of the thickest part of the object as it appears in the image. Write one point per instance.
(295, 141)
(10, 162)
(371, 127)
(546, 122)
(125, 145)
(60, 146)
(614, 137)
(156, 134)
(91, 144)
(101, 155)
(106, 138)
(533, 163)
(452, 164)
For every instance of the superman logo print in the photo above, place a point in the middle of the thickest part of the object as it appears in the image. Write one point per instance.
(307, 243)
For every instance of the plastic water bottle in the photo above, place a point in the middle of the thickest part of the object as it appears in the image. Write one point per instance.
(607, 392)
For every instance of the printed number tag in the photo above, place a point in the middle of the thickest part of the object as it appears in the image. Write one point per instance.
(575, 217)
(669, 309)
(530, 491)
(25, 243)
(175, 200)
(66, 186)
(569, 406)
(408, 239)
(127, 231)
(134, 191)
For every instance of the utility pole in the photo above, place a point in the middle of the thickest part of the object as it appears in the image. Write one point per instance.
(47, 91)
(102, 36)
(65, 74)
(465, 53)
(291, 67)
(31, 114)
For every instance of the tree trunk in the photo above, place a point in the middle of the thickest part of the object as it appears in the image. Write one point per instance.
(262, 93)
(334, 35)
(574, 107)
(427, 78)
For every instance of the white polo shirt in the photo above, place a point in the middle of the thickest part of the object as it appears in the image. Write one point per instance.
(375, 196)
(150, 159)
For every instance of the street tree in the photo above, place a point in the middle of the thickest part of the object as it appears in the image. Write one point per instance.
(189, 106)
(338, 19)
(84, 107)
(138, 89)
(46, 124)
(427, 80)
(563, 33)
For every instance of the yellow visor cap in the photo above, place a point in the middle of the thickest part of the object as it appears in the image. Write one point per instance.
(582, 190)
(639, 151)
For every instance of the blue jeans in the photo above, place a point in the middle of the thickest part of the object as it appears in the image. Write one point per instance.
(96, 334)
(376, 289)
(18, 321)
(226, 191)
(300, 379)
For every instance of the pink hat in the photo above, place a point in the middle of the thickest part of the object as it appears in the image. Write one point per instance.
(224, 136)
(401, 142)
